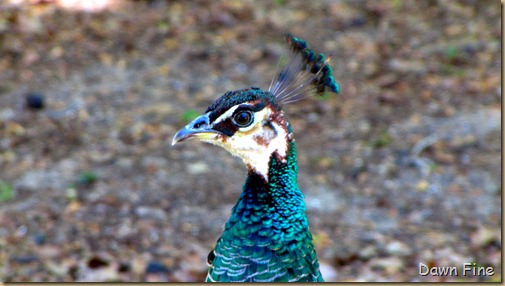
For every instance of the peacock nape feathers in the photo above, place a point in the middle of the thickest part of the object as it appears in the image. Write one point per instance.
(267, 237)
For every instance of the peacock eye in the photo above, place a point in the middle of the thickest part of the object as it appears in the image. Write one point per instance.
(243, 118)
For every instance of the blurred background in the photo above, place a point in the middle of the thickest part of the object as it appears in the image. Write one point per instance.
(401, 168)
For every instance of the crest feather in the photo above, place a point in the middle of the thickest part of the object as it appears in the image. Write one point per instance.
(304, 73)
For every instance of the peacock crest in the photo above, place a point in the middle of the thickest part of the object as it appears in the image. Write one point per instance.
(304, 73)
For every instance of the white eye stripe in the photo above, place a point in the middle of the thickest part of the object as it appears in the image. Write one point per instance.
(226, 115)
(229, 113)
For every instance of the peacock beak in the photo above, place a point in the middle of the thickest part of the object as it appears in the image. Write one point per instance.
(199, 128)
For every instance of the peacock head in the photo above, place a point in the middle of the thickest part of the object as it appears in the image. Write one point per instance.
(247, 123)
(250, 124)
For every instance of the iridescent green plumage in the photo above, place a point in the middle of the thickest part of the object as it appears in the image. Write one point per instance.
(267, 237)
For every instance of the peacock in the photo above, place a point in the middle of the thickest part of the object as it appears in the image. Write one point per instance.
(267, 237)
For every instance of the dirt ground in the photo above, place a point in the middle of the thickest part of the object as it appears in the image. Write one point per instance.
(402, 168)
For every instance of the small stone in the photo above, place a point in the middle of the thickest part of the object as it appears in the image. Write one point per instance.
(39, 239)
(57, 269)
(484, 236)
(422, 186)
(357, 22)
(407, 66)
(124, 163)
(49, 251)
(368, 252)
(364, 127)
(390, 265)
(124, 267)
(197, 168)
(25, 259)
(14, 128)
(156, 267)
(398, 248)
(312, 117)
(21, 231)
(454, 30)
(35, 100)
(150, 212)
(97, 262)
(138, 265)
(329, 273)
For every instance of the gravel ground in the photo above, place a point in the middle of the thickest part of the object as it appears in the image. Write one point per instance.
(405, 169)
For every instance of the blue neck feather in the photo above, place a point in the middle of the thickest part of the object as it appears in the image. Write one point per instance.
(267, 237)
(278, 199)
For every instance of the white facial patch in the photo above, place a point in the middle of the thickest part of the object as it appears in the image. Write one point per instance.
(256, 142)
